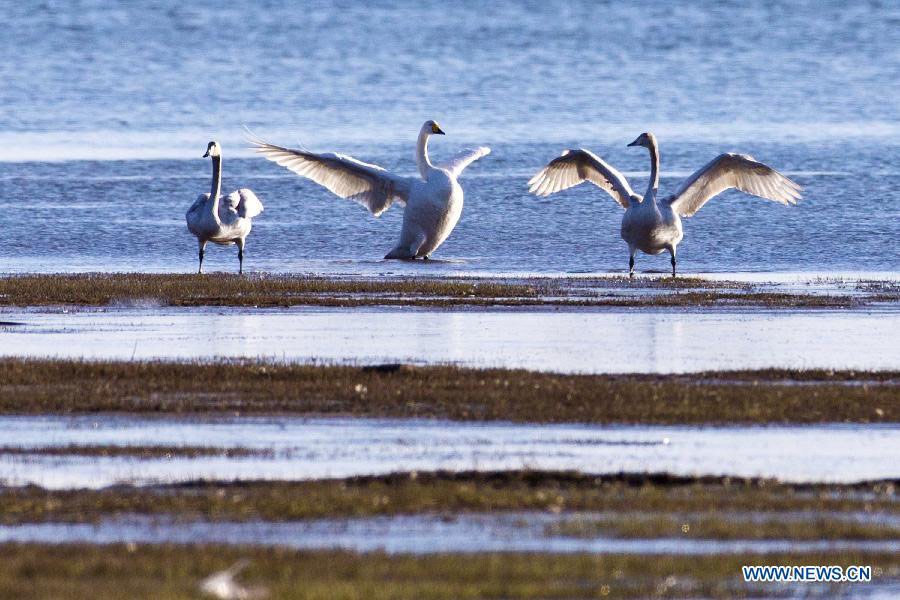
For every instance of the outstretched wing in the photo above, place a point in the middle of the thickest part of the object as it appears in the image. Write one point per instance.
(369, 185)
(737, 171)
(458, 164)
(576, 166)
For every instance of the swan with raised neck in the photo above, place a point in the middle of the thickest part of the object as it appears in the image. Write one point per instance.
(648, 141)
(428, 129)
(209, 221)
(655, 226)
(433, 201)
(214, 151)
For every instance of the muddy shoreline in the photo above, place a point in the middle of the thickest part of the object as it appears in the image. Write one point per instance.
(265, 290)
(34, 386)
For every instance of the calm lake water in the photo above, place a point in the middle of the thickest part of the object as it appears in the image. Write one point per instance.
(577, 341)
(417, 534)
(108, 107)
(316, 448)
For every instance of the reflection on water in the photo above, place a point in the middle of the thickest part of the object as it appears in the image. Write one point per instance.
(320, 448)
(597, 341)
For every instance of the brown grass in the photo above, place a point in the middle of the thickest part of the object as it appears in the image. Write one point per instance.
(445, 492)
(101, 289)
(170, 572)
(769, 396)
(260, 290)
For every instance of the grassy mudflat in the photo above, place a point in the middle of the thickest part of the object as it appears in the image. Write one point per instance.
(711, 526)
(261, 290)
(100, 289)
(162, 572)
(771, 396)
(445, 492)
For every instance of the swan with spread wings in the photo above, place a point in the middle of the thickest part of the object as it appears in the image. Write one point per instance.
(650, 225)
(433, 202)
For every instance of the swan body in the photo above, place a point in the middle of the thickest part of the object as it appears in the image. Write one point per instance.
(651, 228)
(224, 585)
(433, 202)
(222, 220)
(652, 225)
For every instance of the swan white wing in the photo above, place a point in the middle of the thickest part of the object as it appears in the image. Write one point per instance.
(737, 171)
(367, 184)
(576, 166)
(230, 202)
(248, 205)
(228, 214)
(458, 164)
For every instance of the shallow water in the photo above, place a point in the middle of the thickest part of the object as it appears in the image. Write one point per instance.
(595, 341)
(510, 532)
(129, 95)
(122, 216)
(320, 448)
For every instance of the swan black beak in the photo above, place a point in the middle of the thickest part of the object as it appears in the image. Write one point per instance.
(206, 155)
(436, 129)
(634, 143)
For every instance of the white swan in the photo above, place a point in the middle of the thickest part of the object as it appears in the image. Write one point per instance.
(223, 585)
(652, 226)
(222, 220)
(433, 203)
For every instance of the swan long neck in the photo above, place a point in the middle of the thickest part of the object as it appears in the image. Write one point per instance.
(653, 186)
(216, 190)
(422, 160)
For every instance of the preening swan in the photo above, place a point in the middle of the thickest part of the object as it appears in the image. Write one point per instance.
(652, 226)
(222, 220)
(433, 203)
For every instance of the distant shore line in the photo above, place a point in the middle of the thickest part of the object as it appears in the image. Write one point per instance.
(446, 492)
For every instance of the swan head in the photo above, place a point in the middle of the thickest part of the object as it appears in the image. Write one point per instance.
(432, 127)
(647, 140)
(213, 149)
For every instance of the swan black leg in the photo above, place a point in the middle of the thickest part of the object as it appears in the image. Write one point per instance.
(631, 266)
(673, 264)
(202, 246)
(240, 245)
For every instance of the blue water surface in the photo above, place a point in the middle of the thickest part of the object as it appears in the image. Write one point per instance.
(107, 107)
